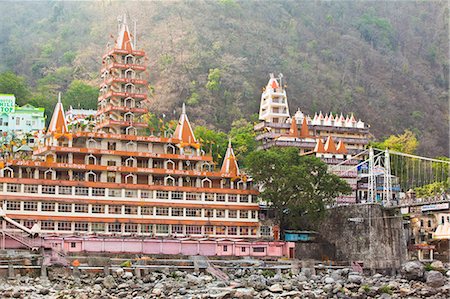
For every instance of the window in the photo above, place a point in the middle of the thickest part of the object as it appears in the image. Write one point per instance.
(98, 209)
(442, 219)
(12, 187)
(31, 189)
(193, 196)
(176, 195)
(48, 189)
(115, 192)
(17, 121)
(147, 228)
(259, 249)
(81, 226)
(111, 147)
(131, 227)
(82, 191)
(98, 191)
(220, 230)
(48, 206)
(30, 206)
(47, 225)
(220, 213)
(98, 227)
(81, 208)
(232, 230)
(146, 194)
(429, 223)
(115, 209)
(177, 212)
(13, 205)
(220, 197)
(253, 214)
(243, 231)
(209, 196)
(64, 226)
(177, 229)
(111, 177)
(225, 248)
(73, 245)
(232, 198)
(421, 223)
(162, 228)
(131, 210)
(162, 211)
(146, 210)
(162, 194)
(209, 230)
(265, 230)
(131, 193)
(242, 249)
(65, 190)
(232, 214)
(209, 213)
(193, 212)
(65, 207)
(115, 227)
(193, 229)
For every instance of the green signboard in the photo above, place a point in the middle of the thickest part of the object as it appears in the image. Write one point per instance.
(7, 103)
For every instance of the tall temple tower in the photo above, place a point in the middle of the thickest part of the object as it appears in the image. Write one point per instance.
(274, 106)
(120, 104)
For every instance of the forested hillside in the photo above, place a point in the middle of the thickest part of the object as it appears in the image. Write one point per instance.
(385, 61)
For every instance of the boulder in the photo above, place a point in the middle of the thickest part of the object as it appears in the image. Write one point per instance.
(413, 270)
(329, 280)
(276, 288)
(109, 282)
(435, 279)
(354, 278)
(258, 282)
(438, 266)
(244, 293)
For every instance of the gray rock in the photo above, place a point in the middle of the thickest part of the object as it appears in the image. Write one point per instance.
(329, 280)
(182, 291)
(435, 279)
(123, 286)
(437, 265)
(354, 278)
(109, 282)
(413, 270)
(127, 275)
(302, 278)
(44, 291)
(258, 282)
(276, 288)
(244, 293)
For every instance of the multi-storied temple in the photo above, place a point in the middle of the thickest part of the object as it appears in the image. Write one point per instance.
(118, 180)
(312, 135)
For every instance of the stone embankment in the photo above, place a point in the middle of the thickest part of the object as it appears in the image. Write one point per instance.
(415, 281)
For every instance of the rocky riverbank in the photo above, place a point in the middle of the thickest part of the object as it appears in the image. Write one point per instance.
(415, 281)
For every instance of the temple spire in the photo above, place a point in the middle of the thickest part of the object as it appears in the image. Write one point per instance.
(230, 165)
(293, 131)
(330, 147)
(58, 122)
(341, 149)
(304, 131)
(319, 147)
(184, 131)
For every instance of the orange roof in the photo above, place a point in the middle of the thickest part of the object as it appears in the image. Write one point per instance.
(293, 131)
(274, 84)
(58, 122)
(184, 130)
(304, 131)
(124, 41)
(319, 146)
(341, 148)
(230, 165)
(330, 147)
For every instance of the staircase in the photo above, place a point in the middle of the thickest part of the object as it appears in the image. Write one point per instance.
(202, 262)
(55, 257)
(33, 244)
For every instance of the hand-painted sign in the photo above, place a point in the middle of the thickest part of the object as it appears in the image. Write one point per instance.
(7, 103)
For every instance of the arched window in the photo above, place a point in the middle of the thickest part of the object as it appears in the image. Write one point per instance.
(130, 131)
(206, 167)
(91, 176)
(130, 178)
(206, 183)
(129, 102)
(48, 174)
(129, 74)
(91, 143)
(131, 146)
(169, 181)
(130, 162)
(91, 160)
(129, 87)
(129, 59)
(170, 149)
(7, 172)
(169, 164)
(129, 116)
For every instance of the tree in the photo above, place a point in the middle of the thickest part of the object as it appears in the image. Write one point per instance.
(10, 83)
(405, 143)
(298, 188)
(81, 95)
(212, 141)
(243, 139)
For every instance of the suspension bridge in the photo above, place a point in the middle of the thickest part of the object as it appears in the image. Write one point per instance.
(394, 178)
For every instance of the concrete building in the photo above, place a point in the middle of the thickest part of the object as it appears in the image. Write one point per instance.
(25, 119)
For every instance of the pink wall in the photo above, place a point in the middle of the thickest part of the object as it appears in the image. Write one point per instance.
(166, 246)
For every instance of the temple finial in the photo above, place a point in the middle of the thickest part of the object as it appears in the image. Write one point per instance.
(59, 97)
(229, 142)
(183, 109)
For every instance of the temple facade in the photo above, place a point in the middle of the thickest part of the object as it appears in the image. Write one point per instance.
(119, 180)
(334, 138)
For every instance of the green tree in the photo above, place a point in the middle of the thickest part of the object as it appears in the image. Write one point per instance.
(80, 95)
(405, 143)
(243, 139)
(12, 84)
(298, 188)
(213, 83)
(212, 141)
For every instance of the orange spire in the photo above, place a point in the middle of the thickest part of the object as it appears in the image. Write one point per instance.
(293, 131)
(230, 165)
(58, 122)
(319, 146)
(184, 130)
(330, 147)
(124, 41)
(304, 131)
(341, 148)
(274, 84)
